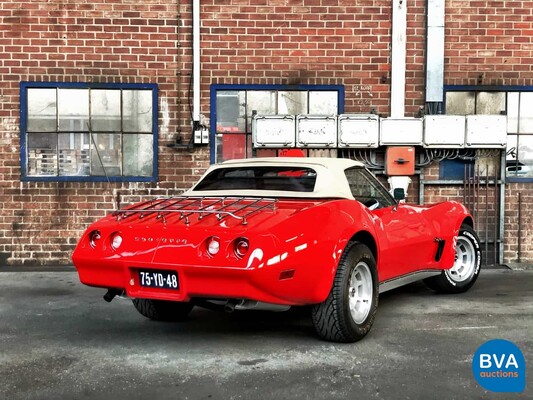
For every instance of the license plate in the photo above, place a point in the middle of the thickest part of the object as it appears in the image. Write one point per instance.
(159, 279)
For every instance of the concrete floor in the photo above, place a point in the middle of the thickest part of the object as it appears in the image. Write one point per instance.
(60, 340)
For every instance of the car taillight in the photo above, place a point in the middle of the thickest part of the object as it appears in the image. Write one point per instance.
(241, 247)
(116, 240)
(94, 237)
(213, 245)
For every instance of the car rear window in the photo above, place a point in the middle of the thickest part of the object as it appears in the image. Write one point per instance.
(290, 179)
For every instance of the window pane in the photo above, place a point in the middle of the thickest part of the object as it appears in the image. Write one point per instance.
(526, 112)
(106, 153)
(231, 111)
(73, 109)
(105, 110)
(137, 110)
(42, 154)
(290, 179)
(324, 103)
(460, 103)
(42, 110)
(512, 112)
(233, 146)
(525, 156)
(512, 152)
(294, 102)
(138, 155)
(261, 102)
(74, 154)
(490, 103)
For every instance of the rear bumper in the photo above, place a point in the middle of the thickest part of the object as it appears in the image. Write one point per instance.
(199, 282)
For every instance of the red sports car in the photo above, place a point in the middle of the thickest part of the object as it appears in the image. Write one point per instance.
(270, 233)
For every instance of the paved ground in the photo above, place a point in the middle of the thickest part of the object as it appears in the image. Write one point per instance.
(60, 340)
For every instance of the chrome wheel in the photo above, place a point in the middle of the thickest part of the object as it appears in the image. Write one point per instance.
(465, 260)
(360, 292)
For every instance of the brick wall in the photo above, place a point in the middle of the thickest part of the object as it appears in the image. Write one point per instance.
(489, 42)
(301, 42)
(516, 227)
(100, 41)
(243, 42)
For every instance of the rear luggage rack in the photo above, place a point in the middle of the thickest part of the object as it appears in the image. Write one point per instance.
(239, 208)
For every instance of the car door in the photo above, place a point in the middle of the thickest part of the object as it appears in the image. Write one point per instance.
(405, 238)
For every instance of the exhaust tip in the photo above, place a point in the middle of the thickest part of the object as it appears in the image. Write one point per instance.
(111, 293)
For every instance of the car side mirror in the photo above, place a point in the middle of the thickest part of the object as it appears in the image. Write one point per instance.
(399, 194)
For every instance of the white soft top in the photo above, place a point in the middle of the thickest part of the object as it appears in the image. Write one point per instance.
(330, 181)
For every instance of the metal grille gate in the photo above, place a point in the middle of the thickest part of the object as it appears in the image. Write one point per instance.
(481, 194)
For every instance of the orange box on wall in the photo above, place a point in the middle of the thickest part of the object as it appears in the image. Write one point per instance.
(400, 161)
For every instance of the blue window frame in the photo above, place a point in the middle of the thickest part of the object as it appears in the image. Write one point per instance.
(514, 101)
(232, 107)
(88, 132)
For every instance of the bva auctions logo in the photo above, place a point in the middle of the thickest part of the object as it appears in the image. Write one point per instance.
(500, 366)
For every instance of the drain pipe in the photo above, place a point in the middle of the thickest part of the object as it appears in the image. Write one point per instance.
(398, 55)
(196, 64)
(435, 55)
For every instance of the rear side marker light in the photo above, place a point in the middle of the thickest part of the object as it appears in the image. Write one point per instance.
(241, 247)
(94, 237)
(213, 246)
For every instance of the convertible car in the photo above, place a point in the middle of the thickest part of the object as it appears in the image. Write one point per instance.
(270, 233)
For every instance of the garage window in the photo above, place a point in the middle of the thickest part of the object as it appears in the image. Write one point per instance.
(517, 104)
(85, 132)
(232, 107)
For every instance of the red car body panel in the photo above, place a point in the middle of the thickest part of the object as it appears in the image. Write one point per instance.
(295, 245)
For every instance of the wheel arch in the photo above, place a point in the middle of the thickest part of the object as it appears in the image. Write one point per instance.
(366, 238)
(468, 221)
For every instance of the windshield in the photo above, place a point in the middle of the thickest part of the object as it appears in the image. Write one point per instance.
(291, 179)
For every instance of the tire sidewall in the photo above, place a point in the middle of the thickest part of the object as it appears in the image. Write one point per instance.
(360, 253)
(470, 235)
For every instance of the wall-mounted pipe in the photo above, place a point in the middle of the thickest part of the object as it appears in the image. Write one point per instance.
(398, 55)
(435, 51)
(196, 61)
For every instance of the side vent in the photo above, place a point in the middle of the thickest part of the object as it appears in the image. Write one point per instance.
(440, 248)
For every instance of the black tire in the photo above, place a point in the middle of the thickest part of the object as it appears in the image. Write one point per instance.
(465, 271)
(333, 319)
(160, 310)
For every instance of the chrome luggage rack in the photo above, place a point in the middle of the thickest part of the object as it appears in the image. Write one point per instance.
(240, 208)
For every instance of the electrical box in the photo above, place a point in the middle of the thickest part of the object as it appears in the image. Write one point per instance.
(358, 130)
(274, 130)
(444, 131)
(316, 131)
(400, 161)
(486, 131)
(201, 136)
(401, 131)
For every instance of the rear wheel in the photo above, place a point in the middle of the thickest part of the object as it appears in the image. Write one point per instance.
(465, 270)
(161, 310)
(348, 312)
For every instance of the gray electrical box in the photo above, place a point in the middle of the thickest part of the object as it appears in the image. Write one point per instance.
(358, 130)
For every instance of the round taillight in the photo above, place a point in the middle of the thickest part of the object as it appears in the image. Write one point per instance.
(116, 241)
(213, 245)
(241, 247)
(94, 237)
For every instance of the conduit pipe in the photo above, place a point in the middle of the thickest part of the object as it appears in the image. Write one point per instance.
(196, 62)
(435, 53)
(398, 55)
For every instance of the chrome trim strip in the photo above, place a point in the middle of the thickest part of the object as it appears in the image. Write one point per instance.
(406, 279)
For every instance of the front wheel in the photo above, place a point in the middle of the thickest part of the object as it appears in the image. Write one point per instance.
(467, 265)
(348, 312)
(161, 310)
